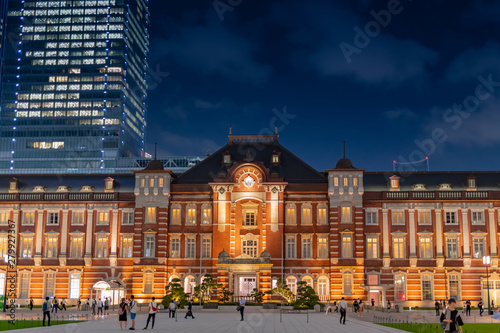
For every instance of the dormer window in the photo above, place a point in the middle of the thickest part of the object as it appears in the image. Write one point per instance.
(13, 185)
(445, 187)
(87, 188)
(275, 158)
(419, 187)
(226, 159)
(151, 182)
(108, 184)
(38, 189)
(471, 183)
(394, 183)
(355, 181)
(62, 188)
(143, 182)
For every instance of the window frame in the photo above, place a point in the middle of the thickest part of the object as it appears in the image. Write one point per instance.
(372, 250)
(400, 248)
(306, 242)
(347, 248)
(372, 213)
(291, 241)
(398, 213)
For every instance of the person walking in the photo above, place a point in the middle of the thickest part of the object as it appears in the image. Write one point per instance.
(171, 309)
(242, 308)
(468, 305)
(79, 303)
(153, 308)
(106, 306)
(31, 303)
(452, 318)
(94, 304)
(55, 304)
(360, 308)
(436, 307)
(46, 310)
(133, 311)
(373, 302)
(355, 305)
(480, 305)
(63, 304)
(388, 306)
(328, 308)
(100, 305)
(189, 312)
(343, 310)
(122, 313)
(336, 306)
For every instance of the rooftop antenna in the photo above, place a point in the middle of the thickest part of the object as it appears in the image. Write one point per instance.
(276, 130)
(155, 149)
(344, 149)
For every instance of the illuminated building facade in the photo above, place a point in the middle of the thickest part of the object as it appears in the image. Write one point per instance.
(252, 213)
(74, 84)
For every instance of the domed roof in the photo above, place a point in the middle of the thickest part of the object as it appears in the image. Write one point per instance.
(154, 165)
(344, 163)
(223, 254)
(265, 254)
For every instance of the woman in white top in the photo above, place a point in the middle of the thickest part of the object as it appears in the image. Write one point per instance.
(153, 308)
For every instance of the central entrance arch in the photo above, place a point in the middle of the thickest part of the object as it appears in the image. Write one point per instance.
(109, 288)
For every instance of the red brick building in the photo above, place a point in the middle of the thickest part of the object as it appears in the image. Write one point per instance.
(249, 214)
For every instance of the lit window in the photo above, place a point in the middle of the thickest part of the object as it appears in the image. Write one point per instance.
(398, 217)
(102, 247)
(49, 284)
(151, 182)
(175, 246)
(346, 181)
(453, 286)
(127, 246)
(427, 288)
(160, 182)
(478, 244)
(149, 246)
(426, 248)
(148, 282)
(29, 218)
(191, 215)
(76, 249)
(346, 214)
(51, 247)
(151, 215)
(399, 248)
(335, 181)
(355, 181)
(176, 215)
(290, 214)
(27, 246)
(346, 246)
(249, 247)
(322, 215)
(77, 218)
(322, 247)
(372, 247)
(306, 214)
(103, 218)
(347, 283)
(74, 286)
(400, 287)
(452, 247)
(291, 282)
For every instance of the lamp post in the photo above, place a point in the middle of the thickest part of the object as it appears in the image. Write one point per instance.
(487, 262)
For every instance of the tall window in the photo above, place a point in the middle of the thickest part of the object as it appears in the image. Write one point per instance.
(77, 218)
(191, 215)
(426, 288)
(346, 246)
(453, 286)
(306, 247)
(347, 283)
(51, 247)
(291, 282)
(322, 214)
(190, 247)
(372, 247)
(151, 215)
(322, 247)
(148, 282)
(249, 218)
(149, 246)
(128, 218)
(424, 218)
(102, 247)
(426, 247)
(290, 215)
(29, 218)
(400, 287)
(2, 281)
(4, 217)
(477, 218)
(24, 280)
(323, 286)
(27, 246)
(308, 280)
(451, 217)
(3, 245)
(452, 247)
(371, 218)
(151, 182)
(206, 247)
(160, 182)
(102, 218)
(306, 214)
(49, 284)
(398, 218)
(176, 215)
(290, 247)
(478, 247)
(250, 247)
(53, 218)
(127, 246)
(175, 247)
(206, 215)
(74, 286)
(346, 214)
(398, 248)
(76, 249)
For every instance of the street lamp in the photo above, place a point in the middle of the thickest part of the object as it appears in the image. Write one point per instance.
(487, 262)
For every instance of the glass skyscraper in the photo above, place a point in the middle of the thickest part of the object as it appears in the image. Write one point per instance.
(74, 84)
(3, 34)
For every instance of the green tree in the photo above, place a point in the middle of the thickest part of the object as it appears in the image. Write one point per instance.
(306, 295)
(225, 295)
(208, 286)
(175, 291)
(283, 290)
(257, 295)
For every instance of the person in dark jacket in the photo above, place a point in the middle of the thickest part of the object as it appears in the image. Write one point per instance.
(467, 308)
(189, 312)
(451, 316)
(480, 305)
(436, 307)
(31, 303)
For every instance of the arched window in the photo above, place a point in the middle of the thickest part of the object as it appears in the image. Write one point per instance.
(322, 213)
(148, 282)
(291, 282)
(307, 279)
(347, 283)
(323, 286)
(291, 217)
(189, 284)
(191, 214)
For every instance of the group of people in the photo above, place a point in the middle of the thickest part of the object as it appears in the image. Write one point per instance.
(101, 305)
(48, 307)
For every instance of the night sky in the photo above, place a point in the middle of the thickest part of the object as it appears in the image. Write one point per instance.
(395, 91)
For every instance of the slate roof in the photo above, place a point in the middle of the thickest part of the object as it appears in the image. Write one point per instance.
(485, 180)
(124, 183)
(292, 169)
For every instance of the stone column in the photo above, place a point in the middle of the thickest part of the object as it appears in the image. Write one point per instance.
(64, 238)
(39, 238)
(89, 237)
(385, 235)
(492, 230)
(114, 239)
